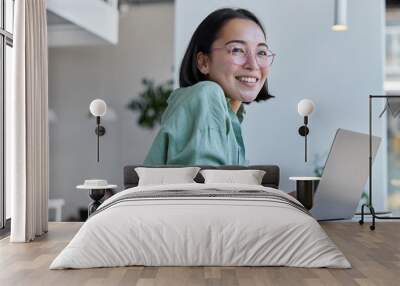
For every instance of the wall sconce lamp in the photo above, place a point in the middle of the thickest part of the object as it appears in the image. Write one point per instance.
(305, 107)
(340, 18)
(98, 108)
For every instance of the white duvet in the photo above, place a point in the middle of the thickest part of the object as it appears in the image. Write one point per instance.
(200, 231)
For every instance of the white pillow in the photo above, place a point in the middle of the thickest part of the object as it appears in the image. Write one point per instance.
(248, 177)
(164, 176)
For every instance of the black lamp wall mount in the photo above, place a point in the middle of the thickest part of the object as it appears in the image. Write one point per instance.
(304, 131)
(99, 131)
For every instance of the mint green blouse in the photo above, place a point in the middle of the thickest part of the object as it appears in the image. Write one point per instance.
(199, 128)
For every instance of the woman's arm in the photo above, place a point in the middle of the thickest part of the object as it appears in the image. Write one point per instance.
(158, 152)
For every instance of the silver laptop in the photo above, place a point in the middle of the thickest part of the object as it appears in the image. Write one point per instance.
(345, 175)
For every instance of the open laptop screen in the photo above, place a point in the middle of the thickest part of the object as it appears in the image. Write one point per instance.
(344, 177)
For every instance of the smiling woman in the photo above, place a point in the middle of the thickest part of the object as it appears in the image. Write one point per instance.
(226, 64)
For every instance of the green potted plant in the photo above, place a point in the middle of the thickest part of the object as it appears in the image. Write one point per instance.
(151, 103)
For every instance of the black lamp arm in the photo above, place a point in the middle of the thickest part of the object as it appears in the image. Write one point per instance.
(304, 131)
(100, 131)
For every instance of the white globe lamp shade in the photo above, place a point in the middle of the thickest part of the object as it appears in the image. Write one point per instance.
(305, 107)
(98, 107)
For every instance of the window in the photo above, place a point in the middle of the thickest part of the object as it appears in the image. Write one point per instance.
(6, 43)
(392, 87)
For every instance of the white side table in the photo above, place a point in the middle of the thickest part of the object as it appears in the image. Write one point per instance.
(305, 187)
(96, 193)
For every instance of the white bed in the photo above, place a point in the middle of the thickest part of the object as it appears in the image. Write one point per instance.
(183, 230)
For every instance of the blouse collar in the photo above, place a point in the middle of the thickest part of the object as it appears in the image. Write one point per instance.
(241, 111)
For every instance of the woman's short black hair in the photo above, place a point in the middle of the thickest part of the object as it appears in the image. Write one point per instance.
(202, 39)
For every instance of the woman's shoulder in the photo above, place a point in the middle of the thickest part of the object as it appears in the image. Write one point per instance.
(202, 92)
(203, 100)
(208, 85)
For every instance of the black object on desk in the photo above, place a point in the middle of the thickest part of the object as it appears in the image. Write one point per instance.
(97, 189)
(305, 188)
(96, 195)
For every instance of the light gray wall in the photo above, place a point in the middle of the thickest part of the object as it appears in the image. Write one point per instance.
(336, 70)
(78, 75)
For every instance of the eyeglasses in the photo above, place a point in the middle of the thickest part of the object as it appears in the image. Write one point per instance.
(239, 54)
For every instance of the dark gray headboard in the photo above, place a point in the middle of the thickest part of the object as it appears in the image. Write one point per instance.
(271, 177)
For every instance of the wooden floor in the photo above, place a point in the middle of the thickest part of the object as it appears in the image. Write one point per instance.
(374, 255)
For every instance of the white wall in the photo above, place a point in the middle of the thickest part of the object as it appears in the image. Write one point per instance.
(77, 75)
(336, 70)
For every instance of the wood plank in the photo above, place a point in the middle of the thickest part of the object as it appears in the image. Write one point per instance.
(374, 255)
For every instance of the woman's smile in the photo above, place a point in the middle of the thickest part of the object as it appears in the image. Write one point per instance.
(248, 81)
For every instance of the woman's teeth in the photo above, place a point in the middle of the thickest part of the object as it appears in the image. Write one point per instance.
(247, 79)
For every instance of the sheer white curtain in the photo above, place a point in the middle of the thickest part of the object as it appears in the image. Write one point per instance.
(27, 125)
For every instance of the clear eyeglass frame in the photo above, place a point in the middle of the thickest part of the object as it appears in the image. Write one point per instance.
(241, 57)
